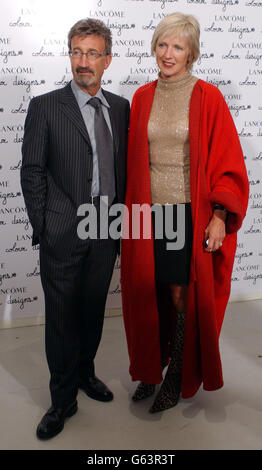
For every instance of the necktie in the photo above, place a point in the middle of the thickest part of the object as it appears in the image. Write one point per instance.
(105, 152)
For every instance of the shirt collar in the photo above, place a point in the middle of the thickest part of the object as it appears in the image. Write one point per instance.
(82, 97)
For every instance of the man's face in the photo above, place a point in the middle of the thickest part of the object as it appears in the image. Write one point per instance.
(88, 71)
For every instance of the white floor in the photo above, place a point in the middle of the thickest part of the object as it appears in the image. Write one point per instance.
(230, 418)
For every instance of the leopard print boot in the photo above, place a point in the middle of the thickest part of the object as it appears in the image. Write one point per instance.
(170, 390)
(143, 390)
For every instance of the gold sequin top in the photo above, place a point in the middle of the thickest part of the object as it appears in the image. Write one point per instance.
(168, 136)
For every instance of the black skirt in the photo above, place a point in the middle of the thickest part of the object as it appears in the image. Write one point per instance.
(172, 266)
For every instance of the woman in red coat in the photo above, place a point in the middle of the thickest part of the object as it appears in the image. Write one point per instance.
(185, 158)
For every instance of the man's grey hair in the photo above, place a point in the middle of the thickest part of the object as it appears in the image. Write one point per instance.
(90, 26)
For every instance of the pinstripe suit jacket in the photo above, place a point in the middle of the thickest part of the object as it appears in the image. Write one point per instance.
(57, 165)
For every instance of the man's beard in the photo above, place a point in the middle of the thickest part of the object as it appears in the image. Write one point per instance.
(84, 82)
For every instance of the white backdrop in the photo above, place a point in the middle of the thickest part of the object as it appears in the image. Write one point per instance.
(33, 60)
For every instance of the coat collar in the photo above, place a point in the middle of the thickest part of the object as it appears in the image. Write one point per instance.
(71, 109)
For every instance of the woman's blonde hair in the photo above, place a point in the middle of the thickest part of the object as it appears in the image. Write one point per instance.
(182, 25)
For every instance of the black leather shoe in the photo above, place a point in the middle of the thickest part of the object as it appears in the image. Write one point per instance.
(96, 389)
(53, 421)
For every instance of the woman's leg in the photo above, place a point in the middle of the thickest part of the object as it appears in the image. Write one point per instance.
(169, 392)
(164, 305)
(179, 297)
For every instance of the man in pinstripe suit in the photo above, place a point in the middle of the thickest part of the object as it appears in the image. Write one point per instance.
(60, 171)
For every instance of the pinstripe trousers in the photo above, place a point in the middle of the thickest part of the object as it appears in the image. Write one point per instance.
(75, 291)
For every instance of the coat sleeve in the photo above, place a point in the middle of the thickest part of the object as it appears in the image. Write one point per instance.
(225, 167)
(33, 171)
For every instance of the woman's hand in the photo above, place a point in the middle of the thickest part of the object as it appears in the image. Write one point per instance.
(216, 231)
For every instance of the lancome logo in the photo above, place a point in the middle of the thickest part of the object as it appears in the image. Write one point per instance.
(255, 72)
(106, 14)
(27, 11)
(144, 70)
(209, 71)
(159, 16)
(233, 96)
(12, 128)
(129, 42)
(230, 18)
(4, 184)
(13, 210)
(247, 45)
(16, 70)
(55, 42)
(5, 41)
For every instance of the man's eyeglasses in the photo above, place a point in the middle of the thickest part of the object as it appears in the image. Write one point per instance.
(91, 55)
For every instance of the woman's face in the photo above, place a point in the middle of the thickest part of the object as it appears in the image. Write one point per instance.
(172, 53)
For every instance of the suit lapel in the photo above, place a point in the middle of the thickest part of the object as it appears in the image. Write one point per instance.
(71, 109)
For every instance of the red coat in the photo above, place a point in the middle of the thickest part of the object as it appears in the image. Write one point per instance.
(217, 174)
